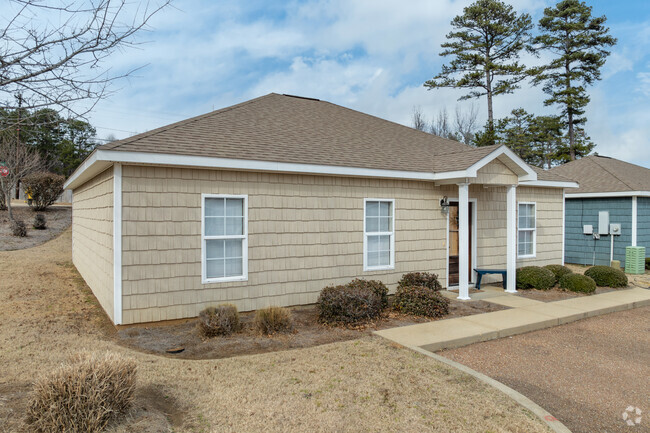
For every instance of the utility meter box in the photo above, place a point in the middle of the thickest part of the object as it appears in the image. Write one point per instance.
(587, 229)
(615, 229)
(603, 222)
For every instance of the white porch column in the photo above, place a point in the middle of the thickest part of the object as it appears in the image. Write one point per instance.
(463, 241)
(511, 239)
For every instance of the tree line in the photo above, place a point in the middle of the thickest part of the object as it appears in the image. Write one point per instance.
(485, 48)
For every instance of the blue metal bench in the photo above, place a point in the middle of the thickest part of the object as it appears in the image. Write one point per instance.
(482, 272)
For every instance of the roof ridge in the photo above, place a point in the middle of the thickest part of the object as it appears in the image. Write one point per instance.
(146, 134)
(608, 171)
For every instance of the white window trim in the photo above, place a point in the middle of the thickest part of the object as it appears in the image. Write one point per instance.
(367, 268)
(534, 230)
(244, 276)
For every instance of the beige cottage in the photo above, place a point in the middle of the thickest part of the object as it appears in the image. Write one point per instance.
(268, 201)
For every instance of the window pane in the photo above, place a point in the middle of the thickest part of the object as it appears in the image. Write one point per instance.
(372, 208)
(373, 259)
(385, 224)
(384, 243)
(235, 207)
(233, 248)
(214, 226)
(233, 267)
(372, 224)
(214, 268)
(384, 258)
(373, 243)
(385, 208)
(214, 207)
(234, 225)
(214, 249)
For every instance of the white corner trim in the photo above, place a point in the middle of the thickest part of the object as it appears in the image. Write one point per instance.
(609, 194)
(550, 184)
(117, 244)
(563, 223)
(634, 220)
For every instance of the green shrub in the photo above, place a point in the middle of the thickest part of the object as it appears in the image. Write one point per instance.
(220, 320)
(605, 276)
(44, 187)
(39, 222)
(578, 283)
(83, 395)
(534, 277)
(420, 301)
(348, 305)
(377, 287)
(272, 320)
(18, 229)
(559, 271)
(424, 279)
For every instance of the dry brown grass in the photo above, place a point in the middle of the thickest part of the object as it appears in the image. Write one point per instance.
(82, 395)
(365, 385)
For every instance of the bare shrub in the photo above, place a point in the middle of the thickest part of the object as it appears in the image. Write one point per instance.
(272, 320)
(39, 222)
(44, 188)
(82, 395)
(348, 305)
(220, 320)
(18, 229)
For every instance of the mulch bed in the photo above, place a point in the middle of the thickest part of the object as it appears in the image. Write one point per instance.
(308, 332)
(557, 294)
(58, 218)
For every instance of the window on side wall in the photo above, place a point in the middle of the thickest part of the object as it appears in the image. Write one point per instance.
(224, 231)
(526, 230)
(379, 234)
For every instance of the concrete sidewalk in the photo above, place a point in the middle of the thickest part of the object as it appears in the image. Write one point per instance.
(525, 315)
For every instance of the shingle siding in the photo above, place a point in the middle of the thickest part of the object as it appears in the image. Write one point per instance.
(580, 247)
(92, 236)
(305, 232)
(643, 224)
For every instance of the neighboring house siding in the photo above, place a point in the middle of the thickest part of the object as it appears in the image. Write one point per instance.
(92, 236)
(643, 224)
(580, 247)
(305, 232)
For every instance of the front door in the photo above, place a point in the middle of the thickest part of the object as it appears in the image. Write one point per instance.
(453, 243)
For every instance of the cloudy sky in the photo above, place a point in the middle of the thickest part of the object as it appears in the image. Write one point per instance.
(369, 55)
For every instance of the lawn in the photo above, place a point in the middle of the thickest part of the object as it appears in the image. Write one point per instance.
(359, 385)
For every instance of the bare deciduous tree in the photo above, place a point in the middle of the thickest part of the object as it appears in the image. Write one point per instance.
(52, 52)
(20, 160)
(417, 119)
(465, 123)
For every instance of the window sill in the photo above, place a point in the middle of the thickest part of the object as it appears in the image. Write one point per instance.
(379, 268)
(223, 280)
(527, 257)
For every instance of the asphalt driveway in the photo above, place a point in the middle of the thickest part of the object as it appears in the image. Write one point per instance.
(586, 373)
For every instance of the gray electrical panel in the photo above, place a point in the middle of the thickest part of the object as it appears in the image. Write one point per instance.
(603, 222)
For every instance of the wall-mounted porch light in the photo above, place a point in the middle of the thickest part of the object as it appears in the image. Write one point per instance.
(444, 205)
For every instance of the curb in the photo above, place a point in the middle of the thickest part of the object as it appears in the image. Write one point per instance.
(522, 400)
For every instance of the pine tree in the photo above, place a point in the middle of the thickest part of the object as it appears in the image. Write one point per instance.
(485, 44)
(579, 44)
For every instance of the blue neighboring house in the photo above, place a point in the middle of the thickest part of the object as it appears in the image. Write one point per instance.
(611, 192)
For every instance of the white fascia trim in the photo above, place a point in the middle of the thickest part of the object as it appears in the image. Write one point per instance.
(91, 160)
(245, 164)
(117, 244)
(550, 184)
(610, 194)
(503, 150)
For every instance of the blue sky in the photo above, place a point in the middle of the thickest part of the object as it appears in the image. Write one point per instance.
(369, 55)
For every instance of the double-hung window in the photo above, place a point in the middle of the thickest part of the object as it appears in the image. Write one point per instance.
(225, 238)
(379, 234)
(526, 230)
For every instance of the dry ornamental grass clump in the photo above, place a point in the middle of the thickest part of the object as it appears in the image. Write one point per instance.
(220, 320)
(82, 395)
(273, 320)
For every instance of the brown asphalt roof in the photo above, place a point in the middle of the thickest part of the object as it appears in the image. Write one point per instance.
(597, 173)
(285, 128)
